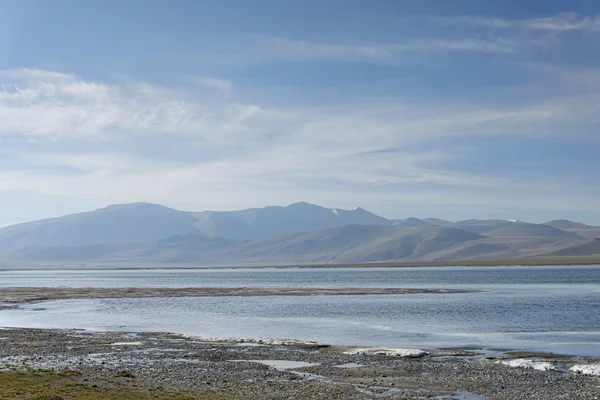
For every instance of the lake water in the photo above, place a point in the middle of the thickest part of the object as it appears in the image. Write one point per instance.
(555, 309)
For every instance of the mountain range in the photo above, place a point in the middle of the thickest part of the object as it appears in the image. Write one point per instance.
(295, 234)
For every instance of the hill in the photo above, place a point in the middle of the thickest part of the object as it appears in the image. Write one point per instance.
(412, 222)
(115, 224)
(298, 233)
(520, 229)
(566, 225)
(591, 247)
(481, 226)
(258, 223)
(407, 244)
(350, 243)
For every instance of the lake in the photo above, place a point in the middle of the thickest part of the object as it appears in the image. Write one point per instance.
(551, 309)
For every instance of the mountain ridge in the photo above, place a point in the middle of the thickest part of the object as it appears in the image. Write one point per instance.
(297, 217)
(299, 232)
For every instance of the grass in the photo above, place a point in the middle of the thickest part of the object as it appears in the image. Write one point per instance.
(48, 398)
(45, 385)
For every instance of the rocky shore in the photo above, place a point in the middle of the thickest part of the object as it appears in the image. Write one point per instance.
(157, 363)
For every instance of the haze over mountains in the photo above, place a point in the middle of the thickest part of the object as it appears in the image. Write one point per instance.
(298, 233)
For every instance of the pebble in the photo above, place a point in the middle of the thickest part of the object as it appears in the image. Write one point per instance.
(188, 365)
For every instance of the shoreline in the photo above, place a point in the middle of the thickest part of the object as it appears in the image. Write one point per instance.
(162, 363)
(17, 295)
(13, 298)
(517, 262)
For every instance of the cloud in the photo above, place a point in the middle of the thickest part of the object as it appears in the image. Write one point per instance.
(52, 105)
(562, 22)
(101, 142)
(47, 103)
(387, 51)
(246, 181)
(227, 87)
(248, 49)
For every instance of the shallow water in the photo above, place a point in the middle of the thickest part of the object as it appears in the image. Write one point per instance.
(430, 277)
(282, 365)
(553, 309)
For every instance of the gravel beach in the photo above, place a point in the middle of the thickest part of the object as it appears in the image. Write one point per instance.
(253, 369)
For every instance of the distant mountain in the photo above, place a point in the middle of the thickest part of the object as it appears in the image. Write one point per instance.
(593, 233)
(298, 233)
(520, 229)
(437, 221)
(591, 247)
(188, 248)
(348, 243)
(184, 248)
(480, 226)
(115, 224)
(320, 244)
(73, 253)
(407, 244)
(474, 250)
(412, 222)
(257, 223)
(583, 230)
(567, 225)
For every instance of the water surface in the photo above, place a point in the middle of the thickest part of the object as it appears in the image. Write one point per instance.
(553, 309)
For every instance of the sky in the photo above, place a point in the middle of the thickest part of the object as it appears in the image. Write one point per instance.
(450, 109)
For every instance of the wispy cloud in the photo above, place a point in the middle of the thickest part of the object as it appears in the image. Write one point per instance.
(92, 135)
(388, 51)
(562, 22)
(47, 103)
(227, 87)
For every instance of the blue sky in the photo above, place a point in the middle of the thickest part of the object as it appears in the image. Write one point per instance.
(450, 109)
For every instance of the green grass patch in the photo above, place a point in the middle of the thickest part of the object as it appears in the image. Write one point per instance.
(43, 385)
(48, 398)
